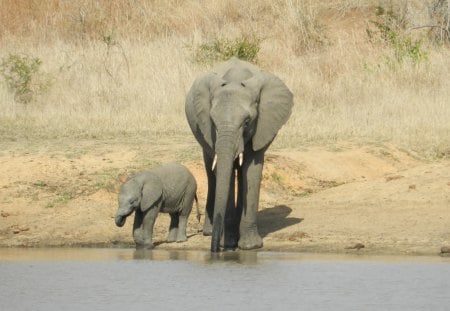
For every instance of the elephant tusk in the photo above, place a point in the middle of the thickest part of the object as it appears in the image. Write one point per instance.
(241, 158)
(214, 163)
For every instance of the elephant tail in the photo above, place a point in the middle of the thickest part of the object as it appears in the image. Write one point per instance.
(199, 216)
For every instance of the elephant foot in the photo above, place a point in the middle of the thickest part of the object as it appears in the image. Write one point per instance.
(250, 241)
(230, 247)
(229, 240)
(144, 246)
(181, 239)
(178, 240)
(228, 243)
(207, 229)
(172, 236)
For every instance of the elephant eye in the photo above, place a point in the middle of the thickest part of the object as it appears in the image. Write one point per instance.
(242, 83)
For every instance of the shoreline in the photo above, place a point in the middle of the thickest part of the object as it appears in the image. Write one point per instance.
(317, 199)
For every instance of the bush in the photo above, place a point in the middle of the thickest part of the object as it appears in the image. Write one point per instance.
(221, 49)
(21, 74)
(390, 26)
(439, 12)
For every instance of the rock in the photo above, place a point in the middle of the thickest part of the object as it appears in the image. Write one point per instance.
(17, 229)
(357, 246)
(393, 177)
(445, 250)
(24, 228)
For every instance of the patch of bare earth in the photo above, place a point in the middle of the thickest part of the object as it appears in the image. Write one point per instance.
(371, 199)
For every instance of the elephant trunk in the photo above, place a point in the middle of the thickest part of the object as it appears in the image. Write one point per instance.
(120, 220)
(225, 150)
(122, 214)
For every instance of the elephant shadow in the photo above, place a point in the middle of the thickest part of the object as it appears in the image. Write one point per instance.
(275, 218)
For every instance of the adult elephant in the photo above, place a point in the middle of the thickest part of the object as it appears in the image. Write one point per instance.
(235, 112)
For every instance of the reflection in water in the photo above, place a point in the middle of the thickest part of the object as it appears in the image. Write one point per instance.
(241, 257)
(152, 254)
(90, 279)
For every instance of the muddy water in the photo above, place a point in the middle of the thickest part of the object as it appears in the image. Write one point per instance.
(125, 279)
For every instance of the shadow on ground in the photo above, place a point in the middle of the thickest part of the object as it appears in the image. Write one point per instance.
(275, 218)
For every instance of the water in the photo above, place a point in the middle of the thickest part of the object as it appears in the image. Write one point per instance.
(125, 279)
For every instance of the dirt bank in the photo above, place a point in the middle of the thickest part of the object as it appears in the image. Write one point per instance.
(371, 199)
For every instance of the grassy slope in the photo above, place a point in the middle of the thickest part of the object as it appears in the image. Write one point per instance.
(123, 69)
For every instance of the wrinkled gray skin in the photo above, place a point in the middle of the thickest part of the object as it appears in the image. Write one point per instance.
(236, 108)
(169, 188)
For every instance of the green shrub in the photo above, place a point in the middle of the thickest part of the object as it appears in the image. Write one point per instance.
(390, 27)
(22, 76)
(221, 49)
(406, 48)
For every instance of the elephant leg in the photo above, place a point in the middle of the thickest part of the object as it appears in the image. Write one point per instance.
(138, 236)
(207, 225)
(185, 212)
(148, 222)
(231, 228)
(181, 235)
(173, 228)
(249, 237)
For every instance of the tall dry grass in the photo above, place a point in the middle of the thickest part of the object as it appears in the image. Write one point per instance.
(122, 68)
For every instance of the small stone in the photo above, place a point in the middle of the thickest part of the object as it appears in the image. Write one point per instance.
(393, 177)
(445, 250)
(357, 246)
(412, 187)
(24, 228)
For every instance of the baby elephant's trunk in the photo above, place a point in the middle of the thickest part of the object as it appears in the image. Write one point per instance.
(125, 209)
(120, 220)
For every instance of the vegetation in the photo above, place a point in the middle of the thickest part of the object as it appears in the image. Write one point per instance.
(219, 50)
(22, 77)
(367, 71)
(391, 29)
(61, 199)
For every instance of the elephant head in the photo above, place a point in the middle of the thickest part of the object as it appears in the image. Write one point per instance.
(141, 191)
(235, 107)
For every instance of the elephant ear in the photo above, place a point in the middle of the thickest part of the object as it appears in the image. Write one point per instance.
(274, 109)
(198, 106)
(151, 193)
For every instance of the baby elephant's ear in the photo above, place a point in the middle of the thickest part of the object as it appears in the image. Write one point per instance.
(151, 193)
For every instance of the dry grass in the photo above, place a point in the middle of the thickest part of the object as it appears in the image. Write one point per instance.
(408, 106)
(96, 93)
(124, 67)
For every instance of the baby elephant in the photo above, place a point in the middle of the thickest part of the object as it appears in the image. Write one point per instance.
(169, 188)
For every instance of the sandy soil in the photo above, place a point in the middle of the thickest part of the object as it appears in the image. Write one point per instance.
(372, 199)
